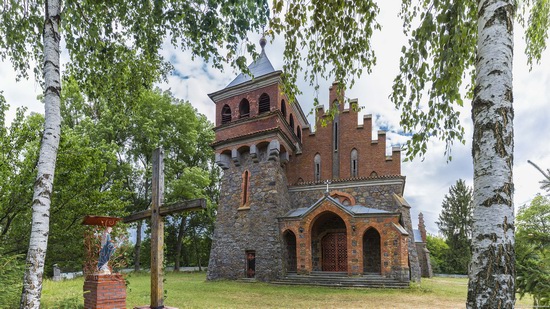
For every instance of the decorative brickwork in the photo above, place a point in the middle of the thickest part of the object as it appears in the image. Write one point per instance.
(105, 292)
(271, 217)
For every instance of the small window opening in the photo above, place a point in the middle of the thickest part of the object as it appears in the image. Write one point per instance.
(226, 114)
(299, 133)
(317, 161)
(244, 108)
(263, 103)
(245, 189)
(291, 122)
(354, 165)
(283, 108)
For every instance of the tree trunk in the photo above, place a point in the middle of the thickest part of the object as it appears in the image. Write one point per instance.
(137, 248)
(43, 186)
(178, 244)
(492, 268)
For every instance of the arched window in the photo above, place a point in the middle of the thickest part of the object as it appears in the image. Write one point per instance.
(283, 108)
(263, 103)
(317, 167)
(244, 108)
(299, 133)
(245, 188)
(353, 163)
(291, 122)
(226, 114)
(374, 174)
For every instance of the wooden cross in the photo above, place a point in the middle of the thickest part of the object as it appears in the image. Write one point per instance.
(156, 212)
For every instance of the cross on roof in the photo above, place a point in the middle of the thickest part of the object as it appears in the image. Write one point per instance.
(327, 182)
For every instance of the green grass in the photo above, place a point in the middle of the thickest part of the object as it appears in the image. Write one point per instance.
(191, 290)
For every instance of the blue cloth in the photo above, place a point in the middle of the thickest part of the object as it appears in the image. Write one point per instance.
(106, 252)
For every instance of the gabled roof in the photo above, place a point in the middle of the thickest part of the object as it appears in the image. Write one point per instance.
(260, 67)
(352, 210)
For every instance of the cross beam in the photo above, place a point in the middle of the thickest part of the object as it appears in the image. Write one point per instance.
(196, 204)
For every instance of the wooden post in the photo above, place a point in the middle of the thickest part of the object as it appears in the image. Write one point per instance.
(157, 230)
(156, 213)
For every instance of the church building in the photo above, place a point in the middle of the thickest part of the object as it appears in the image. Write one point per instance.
(297, 202)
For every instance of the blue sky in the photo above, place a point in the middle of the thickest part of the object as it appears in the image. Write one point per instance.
(428, 180)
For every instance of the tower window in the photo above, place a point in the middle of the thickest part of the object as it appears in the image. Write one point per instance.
(283, 108)
(291, 122)
(226, 114)
(317, 167)
(244, 108)
(264, 103)
(299, 133)
(353, 163)
(245, 188)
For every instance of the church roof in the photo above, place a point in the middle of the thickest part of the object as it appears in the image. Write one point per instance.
(260, 67)
(352, 210)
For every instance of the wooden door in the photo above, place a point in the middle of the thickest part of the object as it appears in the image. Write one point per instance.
(335, 254)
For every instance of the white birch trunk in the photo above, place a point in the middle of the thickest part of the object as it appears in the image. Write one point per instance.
(492, 268)
(32, 282)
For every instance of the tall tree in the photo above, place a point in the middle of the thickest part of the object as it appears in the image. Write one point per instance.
(455, 223)
(450, 40)
(533, 251)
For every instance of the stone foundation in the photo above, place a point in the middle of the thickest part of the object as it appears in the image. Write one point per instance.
(105, 292)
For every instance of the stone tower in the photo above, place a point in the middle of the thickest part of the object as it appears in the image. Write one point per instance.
(254, 139)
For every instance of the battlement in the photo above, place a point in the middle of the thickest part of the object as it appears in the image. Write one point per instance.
(342, 148)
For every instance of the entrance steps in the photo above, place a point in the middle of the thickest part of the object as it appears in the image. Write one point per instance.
(341, 279)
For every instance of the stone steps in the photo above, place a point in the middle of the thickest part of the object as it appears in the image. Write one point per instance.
(341, 280)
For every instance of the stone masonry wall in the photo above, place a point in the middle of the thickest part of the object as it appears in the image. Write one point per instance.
(253, 226)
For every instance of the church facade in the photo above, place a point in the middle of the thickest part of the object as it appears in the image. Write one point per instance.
(298, 201)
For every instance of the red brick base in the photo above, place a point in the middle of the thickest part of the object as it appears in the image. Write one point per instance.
(105, 292)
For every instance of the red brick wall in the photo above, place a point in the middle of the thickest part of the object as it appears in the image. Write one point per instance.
(371, 154)
(105, 292)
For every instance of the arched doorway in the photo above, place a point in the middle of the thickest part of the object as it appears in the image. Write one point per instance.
(329, 243)
(290, 246)
(371, 251)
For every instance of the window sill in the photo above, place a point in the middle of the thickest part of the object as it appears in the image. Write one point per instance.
(244, 208)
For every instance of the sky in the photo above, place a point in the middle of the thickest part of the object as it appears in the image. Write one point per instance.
(427, 180)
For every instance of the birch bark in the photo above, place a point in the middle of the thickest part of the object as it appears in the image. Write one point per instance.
(492, 268)
(36, 255)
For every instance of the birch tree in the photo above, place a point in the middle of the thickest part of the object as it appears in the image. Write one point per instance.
(451, 41)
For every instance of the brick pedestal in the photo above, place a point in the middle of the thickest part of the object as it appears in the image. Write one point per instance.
(105, 292)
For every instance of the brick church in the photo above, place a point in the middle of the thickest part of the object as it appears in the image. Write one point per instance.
(298, 201)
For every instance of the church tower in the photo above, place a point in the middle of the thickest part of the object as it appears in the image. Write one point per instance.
(256, 132)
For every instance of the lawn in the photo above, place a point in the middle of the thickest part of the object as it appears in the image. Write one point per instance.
(190, 290)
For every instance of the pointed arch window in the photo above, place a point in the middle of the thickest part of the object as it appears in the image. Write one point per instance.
(244, 108)
(264, 105)
(299, 133)
(283, 108)
(226, 114)
(246, 189)
(317, 167)
(353, 163)
(291, 122)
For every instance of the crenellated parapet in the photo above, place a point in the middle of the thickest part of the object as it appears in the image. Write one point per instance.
(342, 148)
